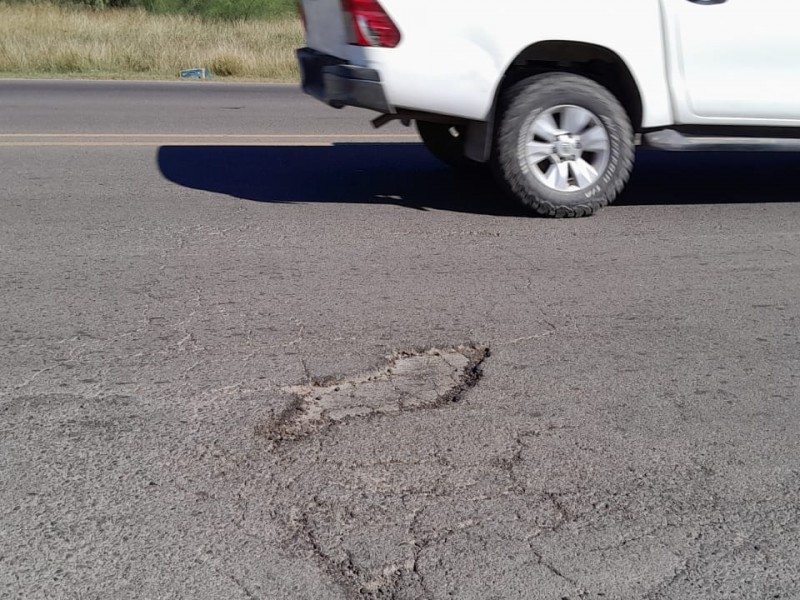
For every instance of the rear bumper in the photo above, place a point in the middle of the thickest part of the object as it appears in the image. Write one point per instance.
(338, 83)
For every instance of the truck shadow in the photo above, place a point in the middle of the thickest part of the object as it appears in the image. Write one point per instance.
(676, 178)
(398, 174)
(406, 175)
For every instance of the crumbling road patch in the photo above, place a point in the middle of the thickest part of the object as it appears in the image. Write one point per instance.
(409, 381)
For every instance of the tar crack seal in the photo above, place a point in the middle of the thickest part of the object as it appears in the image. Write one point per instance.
(409, 381)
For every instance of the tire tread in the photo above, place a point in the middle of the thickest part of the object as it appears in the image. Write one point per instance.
(518, 101)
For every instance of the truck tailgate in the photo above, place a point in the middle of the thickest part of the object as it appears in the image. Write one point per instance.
(325, 27)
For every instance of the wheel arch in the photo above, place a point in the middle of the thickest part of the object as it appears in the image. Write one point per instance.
(596, 62)
(599, 63)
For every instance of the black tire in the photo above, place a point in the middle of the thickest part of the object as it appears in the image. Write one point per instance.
(447, 143)
(536, 95)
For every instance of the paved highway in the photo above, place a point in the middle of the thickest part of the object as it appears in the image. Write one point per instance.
(189, 271)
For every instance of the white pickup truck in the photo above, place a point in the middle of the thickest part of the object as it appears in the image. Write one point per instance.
(556, 94)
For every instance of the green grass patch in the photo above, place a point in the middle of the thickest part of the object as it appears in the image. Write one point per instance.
(229, 10)
(69, 40)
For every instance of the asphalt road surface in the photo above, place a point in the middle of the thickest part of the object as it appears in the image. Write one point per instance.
(189, 273)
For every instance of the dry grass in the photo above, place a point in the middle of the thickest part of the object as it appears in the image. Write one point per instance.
(52, 40)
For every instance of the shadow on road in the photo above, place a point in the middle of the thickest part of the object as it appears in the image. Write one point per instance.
(711, 178)
(398, 174)
(406, 175)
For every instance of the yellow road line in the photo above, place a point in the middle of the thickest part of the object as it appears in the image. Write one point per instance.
(43, 140)
(265, 136)
(157, 143)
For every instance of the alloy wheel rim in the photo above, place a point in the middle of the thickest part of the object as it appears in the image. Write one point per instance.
(566, 148)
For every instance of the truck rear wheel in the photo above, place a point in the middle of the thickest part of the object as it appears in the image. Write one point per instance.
(564, 146)
(447, 143)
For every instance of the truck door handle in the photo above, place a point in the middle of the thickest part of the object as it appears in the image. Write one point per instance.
(707, 2)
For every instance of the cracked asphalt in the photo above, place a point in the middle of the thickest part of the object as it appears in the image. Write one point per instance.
(419, 380)
(175, 257)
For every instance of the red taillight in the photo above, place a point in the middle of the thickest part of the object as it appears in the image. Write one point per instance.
(369, 25)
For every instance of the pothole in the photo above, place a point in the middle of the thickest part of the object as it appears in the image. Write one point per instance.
(410, 381)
